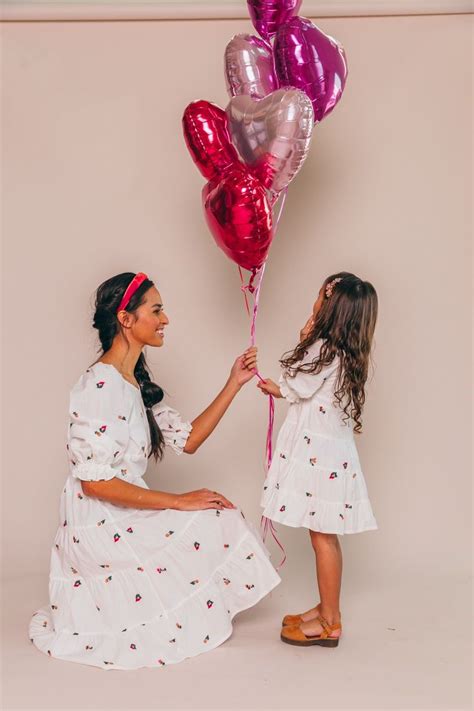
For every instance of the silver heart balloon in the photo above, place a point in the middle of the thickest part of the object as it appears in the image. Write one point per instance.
(249, 67)
(272, 134)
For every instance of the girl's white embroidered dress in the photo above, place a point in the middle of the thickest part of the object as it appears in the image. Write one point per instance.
(132, 588)
(315, 479)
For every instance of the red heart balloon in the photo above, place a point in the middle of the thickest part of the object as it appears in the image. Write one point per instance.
(239, 216)
(207, 136)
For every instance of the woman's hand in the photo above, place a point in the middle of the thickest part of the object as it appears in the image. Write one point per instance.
(269, 387)
(305, 331)
(202, 499)
(244, 367)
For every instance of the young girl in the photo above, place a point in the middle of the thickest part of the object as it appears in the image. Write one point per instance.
(315, 479)
(140, 577)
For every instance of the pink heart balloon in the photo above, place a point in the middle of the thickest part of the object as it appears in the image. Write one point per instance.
(268, 15)
(239, 216)
(249, 67)
(307, 58)
(205, 128)
(273, 134)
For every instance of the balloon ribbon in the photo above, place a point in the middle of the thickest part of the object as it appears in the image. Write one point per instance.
(257, 274)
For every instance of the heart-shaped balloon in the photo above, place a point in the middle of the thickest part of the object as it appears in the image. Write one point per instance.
(239, 216)
(268, 15)
(310, 60)
(206, 133)
(273, 134)
(248, 62)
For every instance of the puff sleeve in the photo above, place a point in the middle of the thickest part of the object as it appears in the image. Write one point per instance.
(175, 430)
(305, 385)
(98, 430)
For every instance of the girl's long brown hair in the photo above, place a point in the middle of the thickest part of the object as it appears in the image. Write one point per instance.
(345, 323)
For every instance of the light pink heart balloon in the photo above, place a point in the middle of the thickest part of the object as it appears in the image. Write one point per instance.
(249, 67)
(272, 134)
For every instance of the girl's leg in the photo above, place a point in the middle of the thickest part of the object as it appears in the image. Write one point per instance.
(329, 574)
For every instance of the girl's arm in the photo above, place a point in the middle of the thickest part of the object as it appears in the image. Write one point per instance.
(269, 387)
(242, 371)
(121, 493)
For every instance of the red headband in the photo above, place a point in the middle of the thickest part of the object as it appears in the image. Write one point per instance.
(135, 284)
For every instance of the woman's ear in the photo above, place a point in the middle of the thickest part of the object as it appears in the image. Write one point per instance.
(125, 319)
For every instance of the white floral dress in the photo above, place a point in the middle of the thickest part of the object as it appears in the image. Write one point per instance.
(136, 588)
(315, 479)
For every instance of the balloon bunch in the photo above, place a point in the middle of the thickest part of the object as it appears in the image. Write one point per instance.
(280, 84)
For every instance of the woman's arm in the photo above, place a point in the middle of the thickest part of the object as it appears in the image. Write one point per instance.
(242, 371)
(121, 493)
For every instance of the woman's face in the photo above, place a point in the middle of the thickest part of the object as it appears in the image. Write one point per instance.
(147, 323)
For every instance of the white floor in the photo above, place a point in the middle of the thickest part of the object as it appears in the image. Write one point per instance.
(405, 646)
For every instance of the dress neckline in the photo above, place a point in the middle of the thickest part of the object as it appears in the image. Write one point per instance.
(110, 365)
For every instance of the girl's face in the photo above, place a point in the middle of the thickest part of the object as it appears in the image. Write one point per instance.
(147, 325)
(319, 301)
(310, 322)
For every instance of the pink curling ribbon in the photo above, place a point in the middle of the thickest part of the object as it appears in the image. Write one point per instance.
(266, 523)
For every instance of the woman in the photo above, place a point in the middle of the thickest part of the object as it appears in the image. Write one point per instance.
(141, 577)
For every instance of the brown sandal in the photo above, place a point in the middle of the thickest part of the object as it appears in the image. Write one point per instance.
(294, 635)
(291, 620)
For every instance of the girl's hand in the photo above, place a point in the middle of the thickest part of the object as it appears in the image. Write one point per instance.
(202, 499)
(269, 387)
(244, 367)
(305, 331)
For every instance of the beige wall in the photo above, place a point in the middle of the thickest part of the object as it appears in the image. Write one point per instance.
(97, 180)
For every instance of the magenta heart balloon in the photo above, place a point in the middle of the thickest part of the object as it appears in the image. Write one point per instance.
(310, 60)
(272, 134)
(239, 216)
(268, 15)
(249, 67)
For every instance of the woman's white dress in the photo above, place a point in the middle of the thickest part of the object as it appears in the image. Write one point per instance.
(135, 588)
(315, 479)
